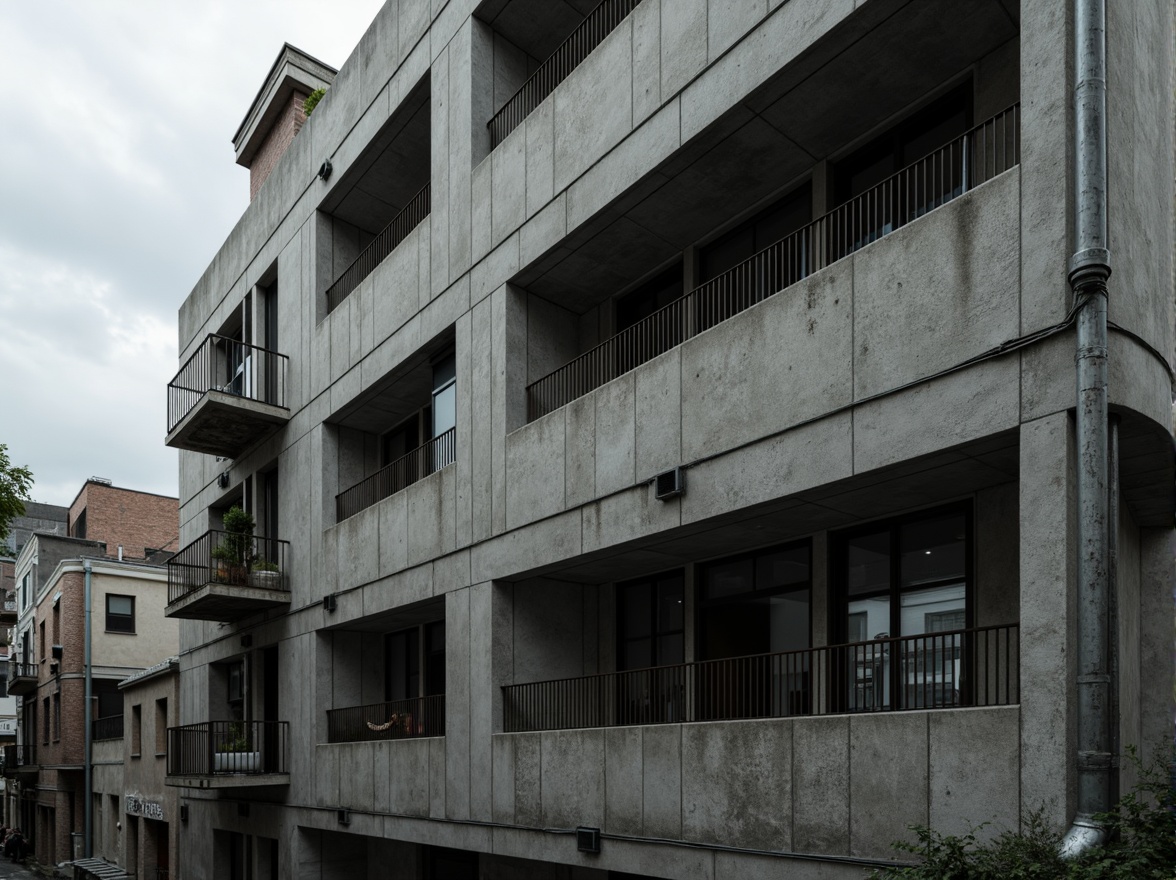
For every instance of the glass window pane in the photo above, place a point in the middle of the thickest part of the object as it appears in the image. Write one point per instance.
(934, 606)
(120, 604)
(444, 410)
(671, 650)
(870, 618)
(782, 568)
(722, 579)
(933, 550)
(789, 615)
(868, 563)
(670, 616)
(635, 619)
(637, 654)
(444, 371)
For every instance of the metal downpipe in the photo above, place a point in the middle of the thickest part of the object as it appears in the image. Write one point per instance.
(88, 712)
(1090, 267)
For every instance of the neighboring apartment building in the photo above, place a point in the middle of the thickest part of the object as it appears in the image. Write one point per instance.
(114, 546)
(659, 421)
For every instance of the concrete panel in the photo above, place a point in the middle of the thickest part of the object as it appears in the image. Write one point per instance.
(326, 776)
(481, 436)
(509, 186)
(394, 283)
(820, 785)
(540, 137)
(438, 758)
(683, 43)
(543, 231)
(528, 764)
(1047, 571)
(728, 20)
(735, 776)
(440, 146)
(481, 195)
(461, 145)
(791, 462)
(358, 548)
(659, 415)
(733, 374)
(887, 780)
(580, 450)
(492, 272)
(997, 564)
(457, 704)
(503, 775)
(356, 788)
(973, 403)
(481, 700)
(625, 516)
(975, 762)
(594, 106)
(535, 470)
(740, 866)
(573, 778)
(646, 60)
(622, 769)
(426, 525)
(947, 281)
(615, 435)
(409, 770)
(540, 543)
(548, 631)
(661, 787)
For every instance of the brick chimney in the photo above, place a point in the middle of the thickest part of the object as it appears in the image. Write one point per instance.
(276, 116)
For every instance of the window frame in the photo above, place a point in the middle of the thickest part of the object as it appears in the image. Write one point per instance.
(116, 616)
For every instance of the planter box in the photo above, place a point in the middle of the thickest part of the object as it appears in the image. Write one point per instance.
(236, 762)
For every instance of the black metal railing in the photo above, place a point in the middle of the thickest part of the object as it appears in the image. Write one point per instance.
(214, 748)
(218, 557)
(23, 755)
(985, 151)
(589, 34)
(399, 719)
(427, 458)
(108, 728)
(972, 667)
(221, 363)
(16, 670)
(378, 249)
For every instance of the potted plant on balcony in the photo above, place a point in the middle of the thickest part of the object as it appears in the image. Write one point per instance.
(233, 753)
(234, 552)
(265, 575)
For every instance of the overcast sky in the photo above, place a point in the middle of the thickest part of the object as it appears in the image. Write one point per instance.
(117, 186)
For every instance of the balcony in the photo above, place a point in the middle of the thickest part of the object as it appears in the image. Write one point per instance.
(590, 33)
(20, 759)
(107, 728)
(8, 609)
(948, 670)
(981, 154)
(413, 214)
(227, 397)
(225, 577)
(228, 754)
(22, 678)
(399, 719)
(400, 474)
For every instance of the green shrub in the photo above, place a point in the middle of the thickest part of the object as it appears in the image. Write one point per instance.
(1141, 844)
(312, 100)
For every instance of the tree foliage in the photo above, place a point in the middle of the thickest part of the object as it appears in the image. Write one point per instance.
(1141, 844)
(312, 101)
(15, 483)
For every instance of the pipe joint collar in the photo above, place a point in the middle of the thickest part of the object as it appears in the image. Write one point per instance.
(1090, 266)
(1084, 835)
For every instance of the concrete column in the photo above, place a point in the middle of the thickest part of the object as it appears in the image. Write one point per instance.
(458, 665)
(1048, 554)
(1157, 549)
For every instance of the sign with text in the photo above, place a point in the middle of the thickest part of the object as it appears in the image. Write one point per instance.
(136, 805)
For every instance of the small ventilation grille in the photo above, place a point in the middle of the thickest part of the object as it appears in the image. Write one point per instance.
(670, 484)
(223, 480)
(588, 840)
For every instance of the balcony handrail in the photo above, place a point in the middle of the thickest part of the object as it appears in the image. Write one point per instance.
(227, 558)
(212, 748)
(978, 666)
(983, 152)
(221, 363)
(111, 727)
(394, 719)
(570, 54)
(428, 458)
(22, 670)
(385, 241)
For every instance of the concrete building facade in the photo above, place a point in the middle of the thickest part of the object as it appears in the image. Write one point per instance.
(657, 420)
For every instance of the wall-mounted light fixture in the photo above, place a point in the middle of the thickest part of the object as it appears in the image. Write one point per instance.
(325, 170)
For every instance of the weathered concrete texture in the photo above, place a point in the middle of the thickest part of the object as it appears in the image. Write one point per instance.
(820, 785)
(573, 773)
(735, 776)
(974, 763)
(887, 780)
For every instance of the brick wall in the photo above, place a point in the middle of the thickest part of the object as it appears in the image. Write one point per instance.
(288, 124)
(136, 520)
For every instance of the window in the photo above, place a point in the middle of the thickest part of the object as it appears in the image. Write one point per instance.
(444, 395)
(136, 731)
(754, 616)
(161, 727)
(414, 668)
(120, 613)
(651, 646)
(56, 717)
(24, 590)
(57, 622)
(45, 724)
(771, 225)
(41, 652)
(657, 293)
(903, 581)
(78, 530)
